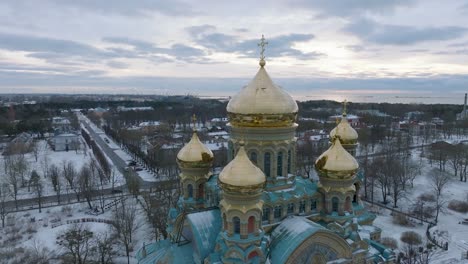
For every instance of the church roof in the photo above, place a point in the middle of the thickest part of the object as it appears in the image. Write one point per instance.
(262, 96)
(241, 171)
(194, 151)
(344, 131)
(205, 227)
(289, 235)
(336, 159)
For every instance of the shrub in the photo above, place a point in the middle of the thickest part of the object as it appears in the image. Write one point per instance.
(389, 242)
(458, 206)
(411, 238)
(401, 219)
(427, 197)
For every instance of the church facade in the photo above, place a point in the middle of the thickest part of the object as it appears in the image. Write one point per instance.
(257, 210)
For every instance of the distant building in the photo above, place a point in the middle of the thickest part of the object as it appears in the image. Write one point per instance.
(65, 142)
(421, 128)
(463, 115)
(142, 108)
(353, 120)
(61, 124)
(414, 115)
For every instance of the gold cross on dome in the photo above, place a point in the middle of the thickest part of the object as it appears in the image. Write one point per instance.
(262, 46)
(345, 103)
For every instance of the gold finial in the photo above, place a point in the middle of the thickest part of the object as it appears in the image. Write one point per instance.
(262, 45)
(345, 103)
(194, 121)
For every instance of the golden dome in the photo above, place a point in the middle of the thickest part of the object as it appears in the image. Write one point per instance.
(195, 152)
(241, 172)
(345, 132)
(262, 96)
(336, 162)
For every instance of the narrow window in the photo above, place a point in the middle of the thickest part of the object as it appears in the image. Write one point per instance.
(236, 223)
(253, 157)
(290, 208)
(267, 163)
(313, 205)
(251, 225)
(279, 165)
(335, 204)
(266, 214)
(289, 161)
(190, 190)
(278, 211)
(302, 206)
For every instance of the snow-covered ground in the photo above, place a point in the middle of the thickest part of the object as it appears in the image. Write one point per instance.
(45, 159)
(34, 228)
(448, 223)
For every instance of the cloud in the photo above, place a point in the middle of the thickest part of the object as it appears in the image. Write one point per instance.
(119, 7)
(278, 46)
(15, 42)
(374, 32)
(348, 8)
(144, 49)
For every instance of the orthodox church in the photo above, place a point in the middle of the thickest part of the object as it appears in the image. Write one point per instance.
(256, 210)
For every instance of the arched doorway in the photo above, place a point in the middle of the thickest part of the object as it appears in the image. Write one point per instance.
(251, 225)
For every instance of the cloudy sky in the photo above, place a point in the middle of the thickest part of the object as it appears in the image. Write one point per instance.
(210, 47)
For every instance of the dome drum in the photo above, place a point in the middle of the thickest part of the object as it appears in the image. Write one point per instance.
(248, 190)
(262, 120)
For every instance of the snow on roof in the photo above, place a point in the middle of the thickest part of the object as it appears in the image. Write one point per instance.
(205, 228)
(286, 237)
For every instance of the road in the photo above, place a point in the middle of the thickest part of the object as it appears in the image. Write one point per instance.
(120, 163)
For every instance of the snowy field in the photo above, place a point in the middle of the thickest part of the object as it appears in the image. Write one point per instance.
(31, 229)
(448, 223)
(46, 158)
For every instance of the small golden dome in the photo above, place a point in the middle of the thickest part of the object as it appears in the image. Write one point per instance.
(195, 152)
(241, 172)
(346, 133)
(336, 162)
(262, 96)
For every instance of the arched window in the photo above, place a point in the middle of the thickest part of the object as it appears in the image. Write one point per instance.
(190, 190)
(289, 161)
(201, 191)
(251, 225)
(253, 157)
(278, 211)
(348, 204)
(290, 208)
(267, 163)
(266, 214)
(313, 205)
(279, 164)
(236, 223)
(302, 206)
(335, 202)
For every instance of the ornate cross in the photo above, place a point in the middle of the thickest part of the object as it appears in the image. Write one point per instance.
(262, 45)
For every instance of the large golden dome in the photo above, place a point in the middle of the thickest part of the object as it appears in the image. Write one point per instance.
(262, 102)
(195, 152)
(336, 162)
(241, 172)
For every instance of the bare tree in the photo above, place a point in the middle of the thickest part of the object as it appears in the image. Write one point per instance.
(4, 209)
(77, 243)
(439, 180)
(13, 179)
(86, 183)
(38, 254)
(411, 240)
(105, 248)
(70, 175)
(125, 225)
(54, 176)
(36, 183)
(45, 160)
